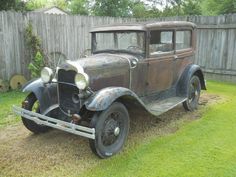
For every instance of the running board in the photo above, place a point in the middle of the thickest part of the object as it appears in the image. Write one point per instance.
(159, 107)
(55, 123)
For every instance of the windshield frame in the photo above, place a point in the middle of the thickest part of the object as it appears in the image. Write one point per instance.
(93, 43)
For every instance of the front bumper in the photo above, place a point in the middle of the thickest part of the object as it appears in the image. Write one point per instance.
(55, 123)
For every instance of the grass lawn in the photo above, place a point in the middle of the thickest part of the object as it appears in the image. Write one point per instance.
(7, 99)
(202, 143)
(205, 147)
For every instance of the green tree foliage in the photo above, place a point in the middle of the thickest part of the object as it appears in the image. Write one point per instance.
(35, 50)
(172, 11)
(192, 7)
(139, 9)
(113, 8)
(165, 3)
(169, 8)
(37, 4)
(16, 5)
(59, 3)
(229, 6)
(79, 7)
(183, 7)
(165, 8)
(7, 4)
(128, 8)
(217, 7)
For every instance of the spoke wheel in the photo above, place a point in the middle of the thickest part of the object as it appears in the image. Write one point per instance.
(111, 127)
(54, 59)
(194, 90)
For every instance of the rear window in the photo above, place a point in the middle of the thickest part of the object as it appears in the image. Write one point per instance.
(161, 42)
(183, 40)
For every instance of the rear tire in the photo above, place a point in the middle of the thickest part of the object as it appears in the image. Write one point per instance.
(111, 130)
(29, 124)
(194, 90)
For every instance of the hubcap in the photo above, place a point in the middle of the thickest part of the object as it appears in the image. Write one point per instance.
(116, 131)
(194, 92)
(112, 129)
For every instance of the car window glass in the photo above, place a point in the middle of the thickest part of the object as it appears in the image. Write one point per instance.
(161, 42)
(183, 40)
(130, 41)
(127, 40)
(108, 41)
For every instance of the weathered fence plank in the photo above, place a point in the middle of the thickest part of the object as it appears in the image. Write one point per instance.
(216, 39)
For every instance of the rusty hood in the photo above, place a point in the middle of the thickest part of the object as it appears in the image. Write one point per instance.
(104, 61)
(105, 70)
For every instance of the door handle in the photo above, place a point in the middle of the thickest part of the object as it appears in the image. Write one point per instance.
(175, 57)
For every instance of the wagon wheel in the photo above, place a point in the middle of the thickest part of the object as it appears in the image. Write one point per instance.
(55, 59)
(17, 81)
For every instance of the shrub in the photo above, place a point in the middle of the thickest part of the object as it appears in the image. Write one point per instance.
(35, 51)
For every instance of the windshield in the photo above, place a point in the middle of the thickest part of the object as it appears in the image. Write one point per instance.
(129, 42)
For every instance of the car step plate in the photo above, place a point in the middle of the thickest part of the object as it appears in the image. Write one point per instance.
(162, 106)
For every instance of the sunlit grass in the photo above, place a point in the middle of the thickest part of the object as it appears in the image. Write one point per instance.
(184, 146)
(205, 147)
(7, 117)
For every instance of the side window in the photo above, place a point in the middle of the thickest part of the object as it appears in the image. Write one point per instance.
(183, 40)
(161, 42)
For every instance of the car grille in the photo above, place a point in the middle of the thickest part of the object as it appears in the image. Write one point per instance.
(68, 92)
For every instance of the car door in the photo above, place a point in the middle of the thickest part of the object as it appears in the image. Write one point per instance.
(184, 51)
(139, 78)
(160, 61)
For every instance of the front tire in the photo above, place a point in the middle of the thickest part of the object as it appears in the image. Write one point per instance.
(111, 130)
(33, 105)
(194, 90)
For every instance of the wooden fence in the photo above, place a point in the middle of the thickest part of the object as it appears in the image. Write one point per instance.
(216, 39)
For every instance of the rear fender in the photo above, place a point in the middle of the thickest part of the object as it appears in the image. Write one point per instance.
(45, 93)
(193, 69)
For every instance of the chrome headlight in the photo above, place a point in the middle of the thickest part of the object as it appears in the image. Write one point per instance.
(81, 80)
(46, 74)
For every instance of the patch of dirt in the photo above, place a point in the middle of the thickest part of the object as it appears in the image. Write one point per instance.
(58, 153)
(144, 125)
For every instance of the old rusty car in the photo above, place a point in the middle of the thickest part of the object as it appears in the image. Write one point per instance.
(132, 65)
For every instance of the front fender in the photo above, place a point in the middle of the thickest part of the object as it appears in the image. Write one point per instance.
(45, 93)
(190, 70)
(102, 99)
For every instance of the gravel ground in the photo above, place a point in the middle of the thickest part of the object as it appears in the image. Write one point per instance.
(58, 153)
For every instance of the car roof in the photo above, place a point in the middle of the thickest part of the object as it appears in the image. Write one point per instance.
(144, 26)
